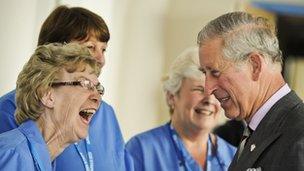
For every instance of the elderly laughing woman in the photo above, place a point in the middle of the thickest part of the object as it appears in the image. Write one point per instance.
(57, 93)
(186, 142)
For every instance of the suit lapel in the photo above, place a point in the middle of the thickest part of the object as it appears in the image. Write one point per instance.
(253, 150)
(267, 132)
(233, 163)
(249, 156)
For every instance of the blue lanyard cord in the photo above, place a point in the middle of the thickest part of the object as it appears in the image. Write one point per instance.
(38, 162)
(179, 152)
(89, 165)
(215, 152)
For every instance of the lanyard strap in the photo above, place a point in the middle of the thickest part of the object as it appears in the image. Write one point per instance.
(214, 152)
(89, 165)
(179, 153)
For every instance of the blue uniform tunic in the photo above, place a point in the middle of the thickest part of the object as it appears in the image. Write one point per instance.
(161, 149)
(24, 149)
(107, 144)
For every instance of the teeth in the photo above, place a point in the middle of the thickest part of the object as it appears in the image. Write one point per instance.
(89, 111)
(200, 110)
(203, 111)
(224, 99)
(86, 113)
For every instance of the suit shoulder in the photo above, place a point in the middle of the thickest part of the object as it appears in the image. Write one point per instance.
(296, 115)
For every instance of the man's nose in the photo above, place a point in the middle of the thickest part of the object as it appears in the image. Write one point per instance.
(210, 85)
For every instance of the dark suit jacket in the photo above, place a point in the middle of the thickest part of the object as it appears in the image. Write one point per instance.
(278, 141)
(231, 131)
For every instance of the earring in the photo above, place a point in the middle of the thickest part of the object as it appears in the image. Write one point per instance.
(171, 108)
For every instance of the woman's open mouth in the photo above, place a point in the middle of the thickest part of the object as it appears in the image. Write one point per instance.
(87, 114)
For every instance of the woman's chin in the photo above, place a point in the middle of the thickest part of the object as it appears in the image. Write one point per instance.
(79, 136)
(83, 134)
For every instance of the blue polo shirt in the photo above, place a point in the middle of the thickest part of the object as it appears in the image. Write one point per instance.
(107, 144)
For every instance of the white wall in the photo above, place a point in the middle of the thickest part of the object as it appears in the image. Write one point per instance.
(142, 56)
(20, 22)
(152, 34)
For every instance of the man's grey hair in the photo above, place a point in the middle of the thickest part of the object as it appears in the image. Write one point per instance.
(242, 34)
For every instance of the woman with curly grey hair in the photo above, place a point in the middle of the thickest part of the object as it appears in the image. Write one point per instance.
(57, 94)
(185, 142)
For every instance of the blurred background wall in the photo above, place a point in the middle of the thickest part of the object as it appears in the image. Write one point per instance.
(146, 35)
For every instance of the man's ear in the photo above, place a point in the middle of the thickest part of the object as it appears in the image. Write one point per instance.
(48, 99)
(255, 61)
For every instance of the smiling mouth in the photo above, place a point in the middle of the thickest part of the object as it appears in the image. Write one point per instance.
(203, 111)
(87, 114)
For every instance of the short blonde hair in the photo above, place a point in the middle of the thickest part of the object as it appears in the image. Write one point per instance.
(42, 69)
(186, 65)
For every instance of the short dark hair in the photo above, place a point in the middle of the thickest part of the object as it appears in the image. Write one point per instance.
(65, 24)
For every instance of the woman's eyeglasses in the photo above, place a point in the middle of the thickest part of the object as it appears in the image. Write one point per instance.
(84, 83)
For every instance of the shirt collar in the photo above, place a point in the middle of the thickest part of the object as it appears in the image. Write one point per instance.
(260, 114)
(34, 136)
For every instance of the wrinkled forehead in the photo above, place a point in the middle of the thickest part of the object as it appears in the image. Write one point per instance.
(210, 51)
(211, 56)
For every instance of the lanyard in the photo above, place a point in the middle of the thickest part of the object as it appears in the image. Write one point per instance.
(178, 151)
(38, 162)
(89, 165)
(178, 148)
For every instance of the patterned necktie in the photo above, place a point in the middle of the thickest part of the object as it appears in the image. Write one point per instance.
(246, 134)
